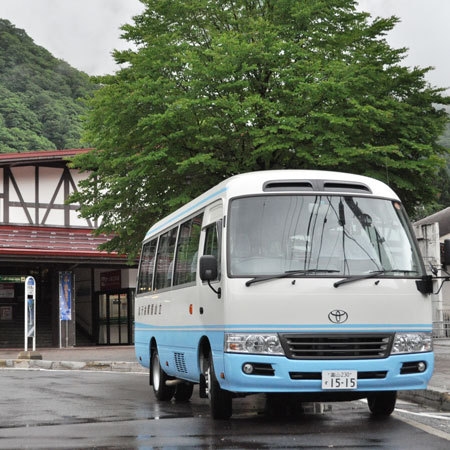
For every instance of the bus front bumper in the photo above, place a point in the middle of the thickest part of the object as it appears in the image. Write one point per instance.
(246, 373)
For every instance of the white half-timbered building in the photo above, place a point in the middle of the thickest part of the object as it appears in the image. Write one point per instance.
(44, 237)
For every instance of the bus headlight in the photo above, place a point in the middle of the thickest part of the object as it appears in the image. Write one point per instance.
(267, 344)
(412, 343)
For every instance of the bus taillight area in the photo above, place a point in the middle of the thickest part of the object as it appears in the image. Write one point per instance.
(266, 374)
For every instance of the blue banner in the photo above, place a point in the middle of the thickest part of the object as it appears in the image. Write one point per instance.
(65, 295)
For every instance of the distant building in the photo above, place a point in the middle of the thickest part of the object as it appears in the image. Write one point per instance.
(443, 219)
(431, 232)
(44, 237)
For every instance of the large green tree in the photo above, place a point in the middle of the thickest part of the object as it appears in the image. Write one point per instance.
(220, 87)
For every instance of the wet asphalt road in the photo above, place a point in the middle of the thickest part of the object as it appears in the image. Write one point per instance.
(79, 410)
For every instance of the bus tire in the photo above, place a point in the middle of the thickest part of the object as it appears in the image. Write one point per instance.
(159, 377)
(183, 392)
(382, 404)
(220, 400)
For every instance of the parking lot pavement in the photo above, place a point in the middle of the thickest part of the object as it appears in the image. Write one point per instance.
(122, 358)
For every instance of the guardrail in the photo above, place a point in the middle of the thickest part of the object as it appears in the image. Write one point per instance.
(441, 329)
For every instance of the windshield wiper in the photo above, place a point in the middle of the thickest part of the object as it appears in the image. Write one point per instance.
(373, 274)
(358, 277)
(287, 274)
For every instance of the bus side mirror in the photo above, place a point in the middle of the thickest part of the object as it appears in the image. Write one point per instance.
(208, 267)
(208, 271)
(425, 284)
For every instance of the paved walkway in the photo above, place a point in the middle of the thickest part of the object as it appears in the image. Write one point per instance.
(122, 358)
(115, 358)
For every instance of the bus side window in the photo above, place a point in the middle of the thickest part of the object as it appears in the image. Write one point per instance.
(164, 260)
(212, 243)
(187, 251)
(145, 277)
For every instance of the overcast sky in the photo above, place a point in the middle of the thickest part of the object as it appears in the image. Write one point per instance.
(85, 32)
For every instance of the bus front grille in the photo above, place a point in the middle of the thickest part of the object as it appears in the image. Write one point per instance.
(336, 346)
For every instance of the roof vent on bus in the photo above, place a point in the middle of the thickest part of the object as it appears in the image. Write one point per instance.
(315, 185)
(288, 185)
(344, 186)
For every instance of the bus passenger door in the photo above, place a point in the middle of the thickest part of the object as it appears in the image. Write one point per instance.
(211, 306)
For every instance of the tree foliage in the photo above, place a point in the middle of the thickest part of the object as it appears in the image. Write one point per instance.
(217, 88)
(41, 97)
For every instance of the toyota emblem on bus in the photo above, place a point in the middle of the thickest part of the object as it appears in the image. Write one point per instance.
(338, 316)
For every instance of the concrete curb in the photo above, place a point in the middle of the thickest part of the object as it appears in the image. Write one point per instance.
(107, 366)
(433, 397)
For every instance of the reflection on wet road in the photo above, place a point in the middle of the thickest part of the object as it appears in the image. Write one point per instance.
(77, 410)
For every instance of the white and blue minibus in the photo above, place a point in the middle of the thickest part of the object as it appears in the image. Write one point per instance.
(285, 281)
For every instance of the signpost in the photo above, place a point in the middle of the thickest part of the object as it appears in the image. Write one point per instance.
(30, 319)
(30, 312)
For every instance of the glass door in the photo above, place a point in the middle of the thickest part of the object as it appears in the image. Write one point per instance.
(115, 318)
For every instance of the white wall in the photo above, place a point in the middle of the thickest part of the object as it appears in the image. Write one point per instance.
(430, 247)
(38, 195)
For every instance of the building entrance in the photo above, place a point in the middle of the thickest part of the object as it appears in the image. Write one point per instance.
(115, 320)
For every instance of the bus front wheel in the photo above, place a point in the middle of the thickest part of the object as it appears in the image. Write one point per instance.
(382, 404)
(159, 378)
(220, 400)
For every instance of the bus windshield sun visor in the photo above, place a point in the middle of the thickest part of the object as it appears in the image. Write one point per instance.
(287, 274)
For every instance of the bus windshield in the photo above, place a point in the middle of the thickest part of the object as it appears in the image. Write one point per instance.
(320, 235)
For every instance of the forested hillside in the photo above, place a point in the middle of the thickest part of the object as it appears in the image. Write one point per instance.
(41, 97)
(445, 138)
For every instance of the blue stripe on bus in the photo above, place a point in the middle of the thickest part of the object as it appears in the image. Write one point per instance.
(283, 327)
(184, 212)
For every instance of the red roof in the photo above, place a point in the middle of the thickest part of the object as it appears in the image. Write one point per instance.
(26, 242)
(53, 243)
(39, 156)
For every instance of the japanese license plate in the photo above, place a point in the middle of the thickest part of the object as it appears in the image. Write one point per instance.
(339, 379)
